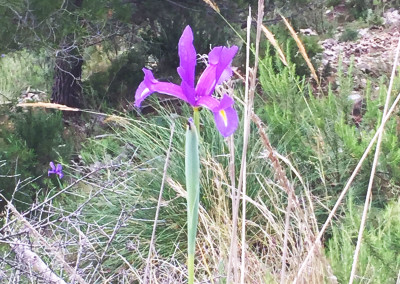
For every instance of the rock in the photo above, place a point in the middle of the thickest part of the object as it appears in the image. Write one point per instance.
(363, 32)
(308, 32)
(391, 17)
(32, 96)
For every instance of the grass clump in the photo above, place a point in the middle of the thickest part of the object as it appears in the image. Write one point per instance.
(348, 35)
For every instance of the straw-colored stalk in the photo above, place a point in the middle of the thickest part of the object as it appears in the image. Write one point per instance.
(302, 50)
(271, 38)
(48, 105)
(212, 5)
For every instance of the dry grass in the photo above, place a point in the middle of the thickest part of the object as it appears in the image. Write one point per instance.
(302, 49)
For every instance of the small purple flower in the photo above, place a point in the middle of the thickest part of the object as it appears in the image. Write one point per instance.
(218, 70)
(55, 170)
(3, 55)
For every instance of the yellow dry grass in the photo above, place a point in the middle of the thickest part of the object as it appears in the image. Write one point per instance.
(301, 49)
(213, 5)
(48, 105)
(270, 36)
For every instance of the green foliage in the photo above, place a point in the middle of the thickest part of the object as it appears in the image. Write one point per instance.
(379, 261)
(313, 48)
(20, 70)
(42, 132)
(18, 164)
(319, 132)
(373, 18)
(348, 35)
(37, 139)
(114, 85)
(358, 8)
(333, 3)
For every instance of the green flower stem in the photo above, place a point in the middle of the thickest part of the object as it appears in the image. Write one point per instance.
(192, 171)
(196, 118)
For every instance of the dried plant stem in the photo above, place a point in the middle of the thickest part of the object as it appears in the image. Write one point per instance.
(285, 183)
(249, 100)
(66, 266)
(246, 132)
(373, 169)
(345, 189)
(153, 234)
(302, 49)
(285, 239)
(232, 261)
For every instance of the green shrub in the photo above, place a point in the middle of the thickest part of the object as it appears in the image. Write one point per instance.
(20, 70)
(348, 35)
(114, 85)
(42, 132)
(313, 49)
(379, 261)
(373, 18)
(320, 134)
(18, 163)
(36, 139)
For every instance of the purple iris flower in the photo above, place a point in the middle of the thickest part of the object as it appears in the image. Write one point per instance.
(218, 70)
(55, 170)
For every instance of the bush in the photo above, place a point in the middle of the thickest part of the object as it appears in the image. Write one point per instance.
(379, 261)
(349, 35)
(36, 140)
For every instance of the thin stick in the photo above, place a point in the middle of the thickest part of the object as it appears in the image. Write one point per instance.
(345, 189)
(248, 111)
(373, 169)
(246, 132)
(153, 234)
(235, 209)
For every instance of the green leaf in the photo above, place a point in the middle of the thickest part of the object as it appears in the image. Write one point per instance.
(192, 171)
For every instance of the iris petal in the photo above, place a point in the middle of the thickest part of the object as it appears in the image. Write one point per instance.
(187, 57)
(227, 121)
(218, 70)
(226, 117)
(150, 85)
(208, 102)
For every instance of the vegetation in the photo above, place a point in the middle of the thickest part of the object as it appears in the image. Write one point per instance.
(305, 141)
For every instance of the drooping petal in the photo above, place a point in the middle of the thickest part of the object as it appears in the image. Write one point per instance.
(218, 70)
(59, 168)
(187, 57)
(226, 117)
(52, 170)
(208, 102)
(150, 85)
